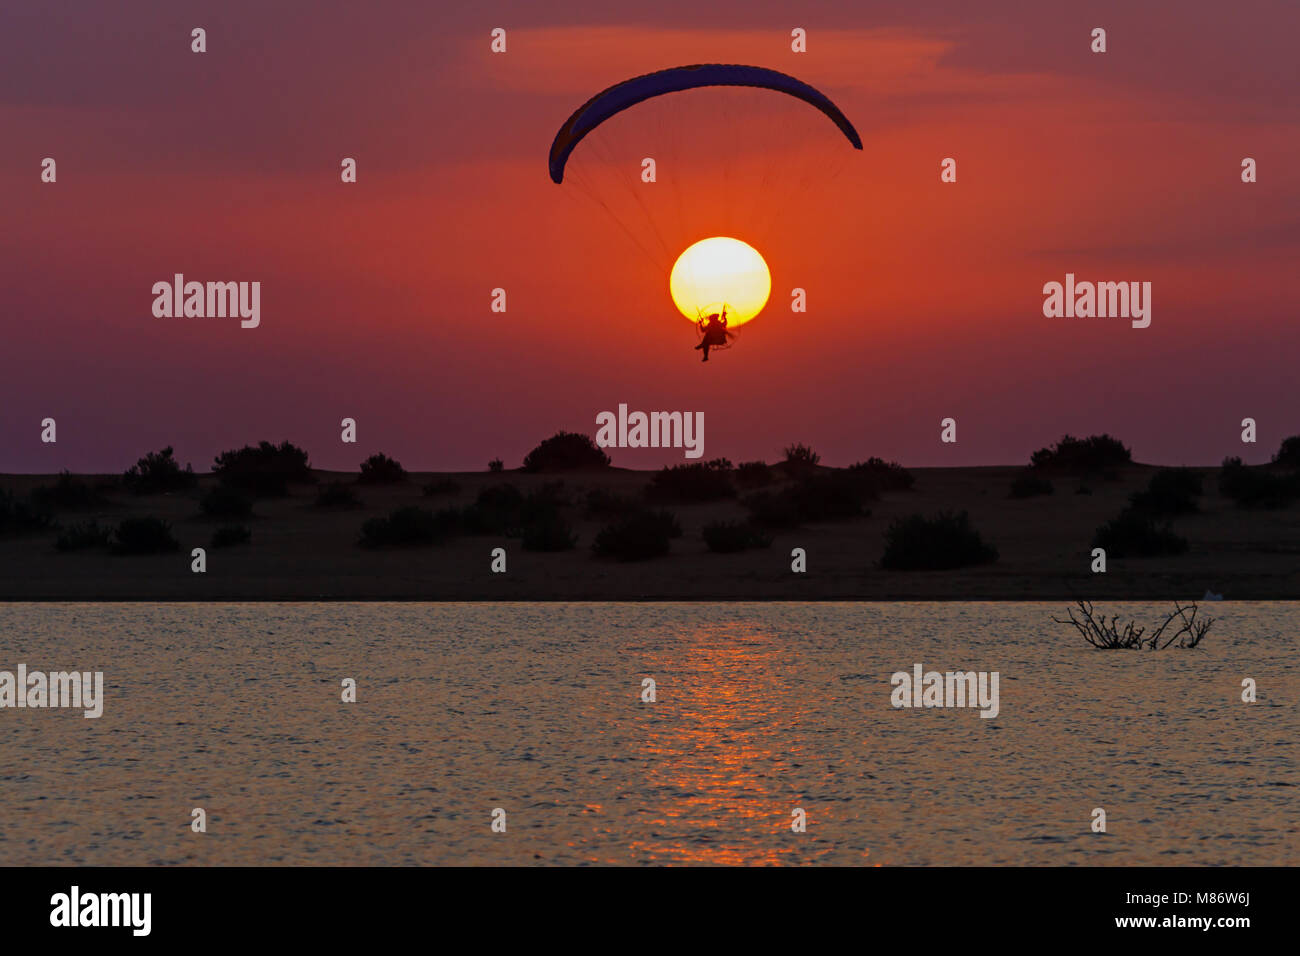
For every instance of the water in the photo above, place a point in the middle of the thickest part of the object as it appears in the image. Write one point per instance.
(535, 708)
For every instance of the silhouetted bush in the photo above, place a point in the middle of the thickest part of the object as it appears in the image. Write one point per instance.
(638, 536)
(1171, 491)
(1134, 534)
(607, 504)
(946, 541)
(496, 465)
(800, 459)
(498, 509)
(404, 527)
(698, 481)
(21, 517)
(725, 537)
(80, 537)
(1257, 487)
(266, 469)
(771, 509)
(504, 509)
(441, 486)
(1094, 453)
(158, 473)
(381, 470)
(224, 502)
(549, 533)
(143, 536)
(753, 474)
(884, 475)
(833, 496)
(231, 534)
(1028, 485)
(1289, 452)
(566, 451)
(337, 495)
(67, 494)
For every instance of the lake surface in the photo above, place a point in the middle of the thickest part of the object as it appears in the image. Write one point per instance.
(536, 709)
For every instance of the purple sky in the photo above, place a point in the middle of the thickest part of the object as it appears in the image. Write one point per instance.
(925, 298)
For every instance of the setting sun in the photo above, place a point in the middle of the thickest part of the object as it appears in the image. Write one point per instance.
(720, 271)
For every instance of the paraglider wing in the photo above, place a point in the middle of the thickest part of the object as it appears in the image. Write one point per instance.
(630, 92)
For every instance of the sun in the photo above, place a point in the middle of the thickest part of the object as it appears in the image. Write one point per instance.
(720, 271)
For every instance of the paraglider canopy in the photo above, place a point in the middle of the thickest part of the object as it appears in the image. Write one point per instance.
(620, 96)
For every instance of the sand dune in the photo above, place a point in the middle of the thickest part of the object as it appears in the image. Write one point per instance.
(300, 552)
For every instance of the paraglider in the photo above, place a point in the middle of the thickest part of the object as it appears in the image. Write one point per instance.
(720, 282)
(713, 332)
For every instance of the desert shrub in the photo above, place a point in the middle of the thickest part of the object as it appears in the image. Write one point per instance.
(1134, 534)
(499, 509)
(753, 474)
(607, 504)
(79, 537)
(158, 473)
(446, 523)
(266, 469)
(1256, 487)
(337, 495)
(566, 451)
(831, 497)
(225, 502)
(504, 509)
(1027, 484)
(948, 540)
(544, 502)
(1288, 453)
(381, 470)
(800, 459)
(725, 537)
(450, 521)
(69, 493)
(496, 465)
(549, 533)
(231, 534)
(1094, 453)
(404, 527)
(884, 475)
(21, 517)
(1171, 491)
(770, 509)
(143, 536)
(638, 536)
(441, 486)
(698, 481)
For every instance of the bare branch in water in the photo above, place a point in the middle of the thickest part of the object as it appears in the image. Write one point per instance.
(1108, 635)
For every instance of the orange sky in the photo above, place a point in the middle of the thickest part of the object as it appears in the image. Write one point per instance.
(924, 298)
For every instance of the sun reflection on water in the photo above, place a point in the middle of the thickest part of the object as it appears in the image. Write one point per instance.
(725, 760)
